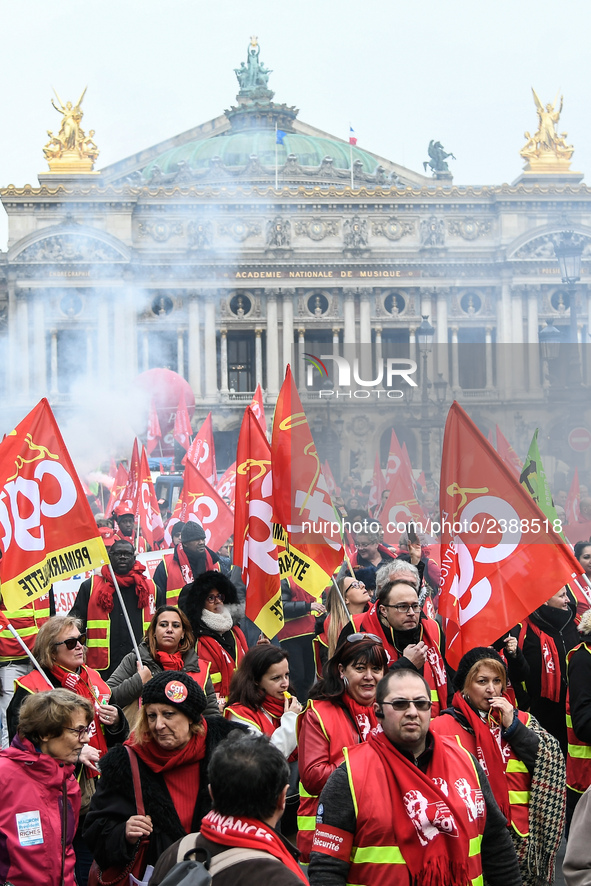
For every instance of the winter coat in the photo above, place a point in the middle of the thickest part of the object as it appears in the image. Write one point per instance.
(114, 803)
(126, 684)
(31, 814)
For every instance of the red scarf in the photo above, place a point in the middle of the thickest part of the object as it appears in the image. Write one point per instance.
(180, 769)
(363, 716)
(170, 661)
(442, 859)
(550, 661)
(82, 685)
(275, 707)
(105, 588)
(488, 753)
(186, 570)
(248, 833)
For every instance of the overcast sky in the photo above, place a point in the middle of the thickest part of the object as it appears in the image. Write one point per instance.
(400, 71)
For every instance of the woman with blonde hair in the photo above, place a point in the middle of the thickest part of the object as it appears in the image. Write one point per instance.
(346, 603)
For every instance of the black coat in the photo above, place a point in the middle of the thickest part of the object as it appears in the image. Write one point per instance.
(114, 803)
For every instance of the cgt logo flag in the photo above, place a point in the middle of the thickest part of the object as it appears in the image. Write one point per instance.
(202, 452)
(501, 557)
(199, 501)
(254, 547)
(226, 486)
(47, 529)
(302, 502)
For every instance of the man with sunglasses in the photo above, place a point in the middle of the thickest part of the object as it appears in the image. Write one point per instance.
(408, 806)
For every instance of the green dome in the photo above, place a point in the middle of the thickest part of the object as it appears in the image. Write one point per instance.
(236, 148)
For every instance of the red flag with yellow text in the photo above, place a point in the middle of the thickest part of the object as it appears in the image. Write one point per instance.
(301, 501)
(151, 524)
(199, 501)
(48, 530)
(256, 404)
(500, 556)
(226, 486)
(254, 548)
(201, 452)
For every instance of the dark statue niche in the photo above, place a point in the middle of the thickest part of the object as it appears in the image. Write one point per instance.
(317, 304)
(240, 305)
(394, 303)
(162, 305)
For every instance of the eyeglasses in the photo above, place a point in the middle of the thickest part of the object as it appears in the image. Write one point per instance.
(403, 607)
(72, 642)
(354, 584)
(80, 731)
(215, 598)
(354, 638)
(403, 704)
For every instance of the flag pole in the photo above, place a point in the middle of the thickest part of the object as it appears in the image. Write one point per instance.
(276, 161)
(34, 661)
(125, 615)
(351, 163)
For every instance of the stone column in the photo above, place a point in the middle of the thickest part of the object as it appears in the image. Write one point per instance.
(455, 367)
(224, 361)
(91, 369)
(365, 337)
(22, 317)
(40, 362)
(272, 345)
(195, 346)
(412, 341)
(104, 342)
(258, 357)
(180, 352)
(53, 384)
(533, 347)
(441, 324)
(287, 300)
(12, 367)
(488, 358)
(349, 317)
(301, 380)
(131, 333)
(211, 385)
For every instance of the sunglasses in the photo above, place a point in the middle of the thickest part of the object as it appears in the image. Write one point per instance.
(354, 638)
(80, 731)
(72, 642)
(403, 704)
(215, 598)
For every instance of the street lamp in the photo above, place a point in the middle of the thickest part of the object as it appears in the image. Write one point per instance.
(550, 338)
(568, 250)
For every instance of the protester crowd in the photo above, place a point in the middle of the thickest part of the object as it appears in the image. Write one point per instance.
(162, 724)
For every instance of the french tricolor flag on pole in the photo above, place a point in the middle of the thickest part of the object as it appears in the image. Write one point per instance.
(352, 136)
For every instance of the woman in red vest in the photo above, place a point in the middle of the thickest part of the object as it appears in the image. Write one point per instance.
(340, 714)
(523, 762)
(211, 605)
(169, 645)
(59, 649)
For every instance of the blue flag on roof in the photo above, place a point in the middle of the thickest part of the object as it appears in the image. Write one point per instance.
(279, 136)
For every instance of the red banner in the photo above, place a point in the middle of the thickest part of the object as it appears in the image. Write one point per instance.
(501, 558)
(199, 501)
(182, 425)
(48, 531)
(227, 485)
(202, 452)
(254, 548)
(302, 502)
(154, 432)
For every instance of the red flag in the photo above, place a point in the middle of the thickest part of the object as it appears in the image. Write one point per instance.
(501, 558)
(202, 452)
(182, 425)
(151, 525)
(401, 506)
(199, 501)
(130, 494)
(302, 503)
(330, 480)
(378, 484)
(395, 457)
(254, 549)
(226, 487)
(117, 489)
(256, 404)
(508, 454)
(47, 529)
(573, 500)
(154, 432)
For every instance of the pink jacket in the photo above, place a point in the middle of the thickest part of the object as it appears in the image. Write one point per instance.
(31, 816)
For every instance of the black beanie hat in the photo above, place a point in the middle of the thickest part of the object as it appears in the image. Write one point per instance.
(471, 658)
(192, 531)
(177, 689)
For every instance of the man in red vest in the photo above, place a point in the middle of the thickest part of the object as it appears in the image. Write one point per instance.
(125, 519)
(408, 806)
(98, 608)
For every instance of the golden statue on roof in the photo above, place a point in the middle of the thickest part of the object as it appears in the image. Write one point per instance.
(71, 150)
(546, 150)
